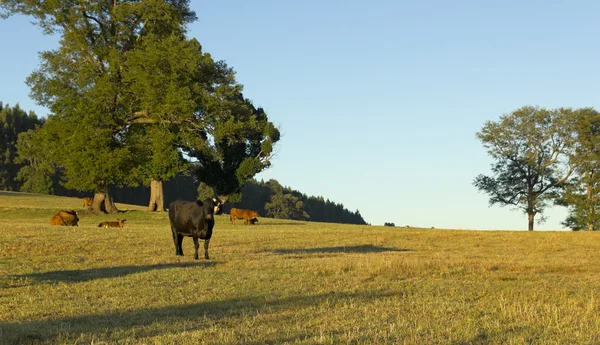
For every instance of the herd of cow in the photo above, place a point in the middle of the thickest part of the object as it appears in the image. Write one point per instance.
(193, 219)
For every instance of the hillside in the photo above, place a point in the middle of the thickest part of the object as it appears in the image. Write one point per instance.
(288, 282)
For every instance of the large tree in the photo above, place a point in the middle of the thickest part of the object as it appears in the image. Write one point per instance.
(530, 147)
(130, 93)
(582, 193)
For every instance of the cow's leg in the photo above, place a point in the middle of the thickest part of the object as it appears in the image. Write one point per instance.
(179, 246)
(206, 248)
(177, 240)
(196, 245)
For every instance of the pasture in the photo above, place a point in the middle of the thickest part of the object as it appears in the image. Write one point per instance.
(287, 282)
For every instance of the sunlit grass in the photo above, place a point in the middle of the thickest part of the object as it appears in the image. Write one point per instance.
(285, 282)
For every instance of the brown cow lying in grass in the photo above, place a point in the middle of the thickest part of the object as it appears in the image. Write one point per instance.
(249, 216)
(118, 224)
(66, 218)
(87, 202)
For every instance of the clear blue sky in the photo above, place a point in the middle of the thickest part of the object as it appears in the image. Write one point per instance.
(379, 101)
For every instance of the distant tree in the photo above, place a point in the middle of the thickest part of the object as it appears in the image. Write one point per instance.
(286, 206)
(38, 174)
(582, 193)
(13, 121)
(530, 147)
(389, 224)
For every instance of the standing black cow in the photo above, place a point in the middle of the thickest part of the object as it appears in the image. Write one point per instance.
(193, 219)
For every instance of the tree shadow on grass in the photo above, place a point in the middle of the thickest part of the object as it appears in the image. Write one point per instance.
(365, 248)
(76, 276)
(173, 319)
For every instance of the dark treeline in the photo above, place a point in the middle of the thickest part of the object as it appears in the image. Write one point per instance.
(274, 200)
(13, 120)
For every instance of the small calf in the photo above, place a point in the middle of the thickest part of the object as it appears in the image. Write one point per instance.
(118, 224)
(87, 202)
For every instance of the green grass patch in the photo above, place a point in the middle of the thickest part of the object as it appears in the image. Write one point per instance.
(286, 282)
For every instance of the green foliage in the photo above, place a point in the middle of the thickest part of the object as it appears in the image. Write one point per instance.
(285, 206)
(582, 193)
(39, 174)
(243, 147)
(130, 94)
(13, 122)
(530, 147)
(205, 191)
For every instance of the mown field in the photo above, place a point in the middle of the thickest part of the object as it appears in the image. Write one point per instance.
(286, 282)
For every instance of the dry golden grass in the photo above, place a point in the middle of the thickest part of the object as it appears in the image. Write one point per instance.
(285, 282)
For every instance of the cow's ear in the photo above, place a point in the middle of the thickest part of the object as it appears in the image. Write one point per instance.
(199, 202)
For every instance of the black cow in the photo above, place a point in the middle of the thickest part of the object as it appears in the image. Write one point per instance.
(193, 219)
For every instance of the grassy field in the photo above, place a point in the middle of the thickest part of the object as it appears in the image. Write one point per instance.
(286, 282)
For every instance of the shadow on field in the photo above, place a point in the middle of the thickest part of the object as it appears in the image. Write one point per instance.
(365, 248)
(174, 319)
(106, 272)
(277, 223)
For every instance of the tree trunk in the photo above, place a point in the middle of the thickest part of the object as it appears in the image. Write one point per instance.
(157, 203)
(530, 217)
(103, 201)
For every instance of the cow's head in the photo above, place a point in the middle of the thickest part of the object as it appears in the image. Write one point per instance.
(207, 206)
(218, 204)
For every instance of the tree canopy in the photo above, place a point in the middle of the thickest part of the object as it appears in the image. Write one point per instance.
(531, 148)
(582, 193)
(131, 96)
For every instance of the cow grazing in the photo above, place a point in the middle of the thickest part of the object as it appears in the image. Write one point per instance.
(195, 220)
(118, 224)
(66, 218)
(87, 202)
(247, 215)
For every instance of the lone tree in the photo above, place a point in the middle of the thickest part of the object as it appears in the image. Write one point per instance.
(582, 193)
(530, 147)
(130, 93)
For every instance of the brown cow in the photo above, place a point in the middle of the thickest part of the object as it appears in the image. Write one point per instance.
(87, 202)
(118, 224)
(247, 215)
(67, 218)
